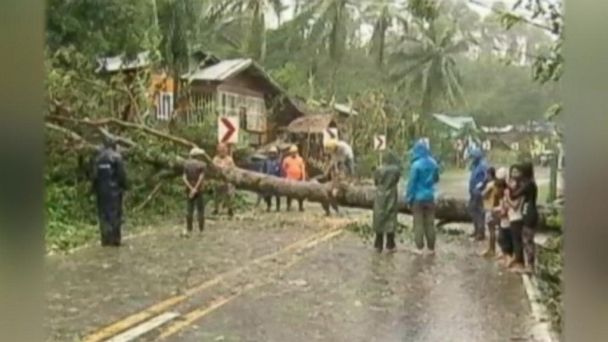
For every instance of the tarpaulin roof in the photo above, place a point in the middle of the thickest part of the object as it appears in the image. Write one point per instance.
(310, 124)
(345, 109)
(456, 122)
(118, 63)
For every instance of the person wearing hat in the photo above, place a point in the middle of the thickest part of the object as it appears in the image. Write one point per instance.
(224, 193)
(342, 156)
(272, 167)
(194, 174)
(294, 169)
(109, 184)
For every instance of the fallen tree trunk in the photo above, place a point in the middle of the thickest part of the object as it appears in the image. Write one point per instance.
(356, 196)
(348, 195)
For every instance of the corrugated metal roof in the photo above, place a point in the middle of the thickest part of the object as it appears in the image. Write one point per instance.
(342, 108)
(220, 71)
(456, 122)
(117, 63)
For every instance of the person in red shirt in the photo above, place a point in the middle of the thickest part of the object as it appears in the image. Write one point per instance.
(294, 169)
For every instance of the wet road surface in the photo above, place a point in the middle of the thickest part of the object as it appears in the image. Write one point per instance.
(284, 277)
(345, 292)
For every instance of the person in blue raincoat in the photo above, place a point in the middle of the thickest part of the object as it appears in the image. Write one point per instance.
(109, 185)
(420, 195)
(479, 170)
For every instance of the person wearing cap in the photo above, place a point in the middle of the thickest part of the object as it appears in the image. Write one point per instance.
(294, 169)
(109, 180)
(224, 192)
(272, 167)
(194, 174)
(342, 156)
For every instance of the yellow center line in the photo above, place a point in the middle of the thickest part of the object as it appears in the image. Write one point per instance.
(136, 318)
(199, 313)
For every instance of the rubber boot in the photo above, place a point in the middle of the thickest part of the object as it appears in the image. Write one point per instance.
(390, 242)
(379, 242)
(201, 224)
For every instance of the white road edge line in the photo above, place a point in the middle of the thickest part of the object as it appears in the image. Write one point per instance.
(541, 331)
(144, 327)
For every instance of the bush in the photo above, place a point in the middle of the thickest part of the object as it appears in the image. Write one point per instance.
(550, 277)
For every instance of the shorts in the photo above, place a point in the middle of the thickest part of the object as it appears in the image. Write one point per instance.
(489, 216)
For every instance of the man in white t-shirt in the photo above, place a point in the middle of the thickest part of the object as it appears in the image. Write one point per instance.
(342, 155)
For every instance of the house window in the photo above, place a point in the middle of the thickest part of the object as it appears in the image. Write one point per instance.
(250, 110)
(243, 118)
(256, 114)
(164, 106)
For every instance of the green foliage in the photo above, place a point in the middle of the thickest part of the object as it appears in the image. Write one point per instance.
(550, 279)
(512, 97)
(321, 54)
(426, 65)
(100, 28)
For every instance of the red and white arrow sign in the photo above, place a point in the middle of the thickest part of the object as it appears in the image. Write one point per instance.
(379, 142)
(228, 130)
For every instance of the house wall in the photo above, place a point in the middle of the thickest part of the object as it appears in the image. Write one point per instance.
(245, 95)
(161, 90)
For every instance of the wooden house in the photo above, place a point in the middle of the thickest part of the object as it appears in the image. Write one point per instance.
(161, 87)
(239, 88)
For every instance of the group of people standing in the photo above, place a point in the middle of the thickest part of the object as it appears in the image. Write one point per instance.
(505, 201)
(110, 182)
(501, 201)
(420, 195)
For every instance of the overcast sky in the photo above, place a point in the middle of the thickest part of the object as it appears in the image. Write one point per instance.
(271, 19)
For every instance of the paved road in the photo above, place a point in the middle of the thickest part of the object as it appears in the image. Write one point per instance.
(282, 277)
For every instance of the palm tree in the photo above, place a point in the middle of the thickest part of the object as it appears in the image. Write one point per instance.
(178, 25)
(328, 23)
(253, 14)
(427, 64)
(383, 14)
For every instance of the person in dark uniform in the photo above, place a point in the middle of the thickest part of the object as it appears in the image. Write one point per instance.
(109, 185)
